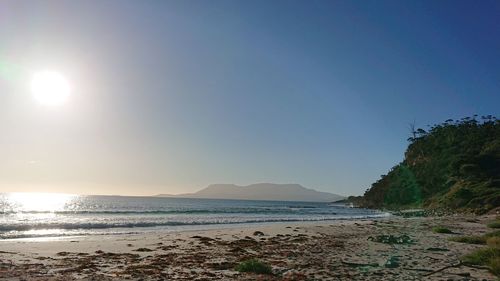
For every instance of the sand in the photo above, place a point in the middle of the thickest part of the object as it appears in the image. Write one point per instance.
(328, 250)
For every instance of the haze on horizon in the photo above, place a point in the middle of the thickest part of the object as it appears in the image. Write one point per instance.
(171, 96)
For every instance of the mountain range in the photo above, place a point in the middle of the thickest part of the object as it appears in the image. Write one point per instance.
(260, 191)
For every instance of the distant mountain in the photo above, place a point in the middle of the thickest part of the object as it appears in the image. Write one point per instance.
(261, 191)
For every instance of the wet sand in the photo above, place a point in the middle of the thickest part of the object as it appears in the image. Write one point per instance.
(335, 250)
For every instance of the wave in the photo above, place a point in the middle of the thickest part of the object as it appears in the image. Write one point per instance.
(167, 212)
(109, 225)
(20, 235)
(92, 212)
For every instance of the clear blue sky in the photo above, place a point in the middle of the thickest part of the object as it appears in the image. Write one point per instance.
(170, 96)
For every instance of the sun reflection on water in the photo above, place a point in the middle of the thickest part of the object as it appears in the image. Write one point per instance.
(39, 202)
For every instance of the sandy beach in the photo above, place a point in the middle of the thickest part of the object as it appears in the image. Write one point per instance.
(340, 250)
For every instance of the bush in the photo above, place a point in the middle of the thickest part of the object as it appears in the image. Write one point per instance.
(255, 266)
(440, 229)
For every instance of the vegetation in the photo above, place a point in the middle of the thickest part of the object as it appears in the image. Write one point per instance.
(440, 229)
(493, 242)
(255, 266)
(391, 239)
(495, 224)
(469, 239)
(488, 256)
(481, 256)
(492, 234)
(454, 165)
(475, 239)
(494, 266)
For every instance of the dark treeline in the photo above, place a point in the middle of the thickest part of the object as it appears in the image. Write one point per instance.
(454, 165)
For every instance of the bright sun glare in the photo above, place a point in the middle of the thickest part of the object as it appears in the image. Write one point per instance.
(40, 202)
(50, 88)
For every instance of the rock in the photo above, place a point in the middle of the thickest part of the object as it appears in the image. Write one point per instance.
(143, 250)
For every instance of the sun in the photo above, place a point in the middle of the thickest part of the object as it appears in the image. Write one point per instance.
(50, 88)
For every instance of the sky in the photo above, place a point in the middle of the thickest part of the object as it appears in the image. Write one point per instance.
(171, 96)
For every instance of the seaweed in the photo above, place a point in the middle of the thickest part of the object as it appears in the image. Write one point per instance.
(392, 239)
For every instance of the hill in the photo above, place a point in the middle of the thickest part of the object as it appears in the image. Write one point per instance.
(455, 165)
(261, 191)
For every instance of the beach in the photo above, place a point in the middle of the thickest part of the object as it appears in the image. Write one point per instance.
(324, 250)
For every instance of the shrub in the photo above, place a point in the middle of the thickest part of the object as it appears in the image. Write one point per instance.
(255, 266)
(440, 229)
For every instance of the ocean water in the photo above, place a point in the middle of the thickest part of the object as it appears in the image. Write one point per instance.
(30, 215)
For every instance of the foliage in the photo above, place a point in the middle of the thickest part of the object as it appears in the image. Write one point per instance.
(255, 266)
(440, 229)
(454, 165)
(391, 239)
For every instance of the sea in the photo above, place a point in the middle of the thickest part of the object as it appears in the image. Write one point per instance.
(42, 215)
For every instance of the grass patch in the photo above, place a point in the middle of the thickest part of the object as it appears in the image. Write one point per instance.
(469, 239)
(495, 233)
(494, 266)
(495, 224)
(481, 256)
(476, 239)
(440, 229)
(493, 242)
(489, 257)
(255, 266)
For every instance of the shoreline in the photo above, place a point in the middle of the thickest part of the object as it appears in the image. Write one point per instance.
(67, 233)
(313, 250)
